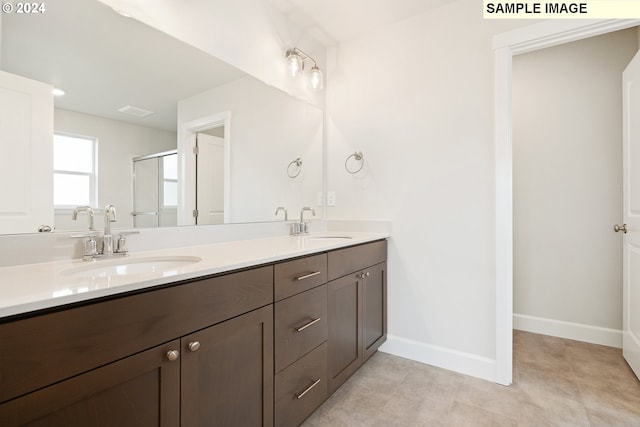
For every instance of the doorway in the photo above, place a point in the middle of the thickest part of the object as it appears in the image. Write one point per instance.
(506, 45)
(567, 188)
(216, 128)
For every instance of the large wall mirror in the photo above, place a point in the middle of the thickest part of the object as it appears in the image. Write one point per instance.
(165, 132)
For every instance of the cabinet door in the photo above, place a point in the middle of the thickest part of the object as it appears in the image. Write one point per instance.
(227, 373)
(140, 390)
(374, 308)
(344, 316)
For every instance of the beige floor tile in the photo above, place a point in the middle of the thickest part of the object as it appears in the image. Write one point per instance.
(557, 382)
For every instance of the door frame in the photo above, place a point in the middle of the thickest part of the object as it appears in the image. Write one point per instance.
(187, 165)
(505, 45)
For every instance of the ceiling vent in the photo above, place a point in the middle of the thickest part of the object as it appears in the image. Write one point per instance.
(135, 111)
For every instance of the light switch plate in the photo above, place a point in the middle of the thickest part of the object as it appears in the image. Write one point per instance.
(331, 198)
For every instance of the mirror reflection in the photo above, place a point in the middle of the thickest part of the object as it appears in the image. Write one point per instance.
(164, 132)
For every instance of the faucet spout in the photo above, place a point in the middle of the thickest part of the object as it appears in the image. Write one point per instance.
(282, 209)
(306, 208)
(109, 217)
(107, 239)
(88, 210)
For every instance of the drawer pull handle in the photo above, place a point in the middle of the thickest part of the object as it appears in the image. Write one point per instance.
(306, 390)
(173, 355)
(313, 322)
(194, 345)
(306, 276)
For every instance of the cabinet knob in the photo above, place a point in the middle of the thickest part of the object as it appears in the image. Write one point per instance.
(173, 355)
(194, 346)
(367, 274)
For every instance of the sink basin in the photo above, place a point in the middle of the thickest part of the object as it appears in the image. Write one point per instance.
(329, 238)
(168, 265)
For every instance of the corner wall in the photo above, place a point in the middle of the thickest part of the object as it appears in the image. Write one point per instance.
(417, 99)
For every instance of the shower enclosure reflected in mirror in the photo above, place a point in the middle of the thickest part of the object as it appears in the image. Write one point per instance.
(155, 190)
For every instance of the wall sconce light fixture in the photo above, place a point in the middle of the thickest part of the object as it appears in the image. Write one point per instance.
(295, 62)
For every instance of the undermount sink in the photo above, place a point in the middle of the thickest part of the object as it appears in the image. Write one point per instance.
(329, 238)
(168, 265)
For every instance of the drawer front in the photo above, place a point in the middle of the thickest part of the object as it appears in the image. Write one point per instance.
(41, 350)
(301, 388)
(299, 275)
(300, 325)
(348, 260)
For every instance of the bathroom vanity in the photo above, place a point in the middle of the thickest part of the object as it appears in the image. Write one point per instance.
(255, 344)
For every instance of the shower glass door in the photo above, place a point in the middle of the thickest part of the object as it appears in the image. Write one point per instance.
(155, 184)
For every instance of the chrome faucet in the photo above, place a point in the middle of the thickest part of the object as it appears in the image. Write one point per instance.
(107, 238)
(283, 209)
(109, 247)
(88, 210)
(302, 227)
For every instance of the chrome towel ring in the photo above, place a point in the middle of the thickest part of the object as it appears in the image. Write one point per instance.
(297, 168)
(358, 157)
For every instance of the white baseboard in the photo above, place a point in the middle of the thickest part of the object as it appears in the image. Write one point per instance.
(446, 358)
(569, 330)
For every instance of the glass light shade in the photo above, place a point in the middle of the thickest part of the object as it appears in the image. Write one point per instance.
(294, 63)
(316, 78)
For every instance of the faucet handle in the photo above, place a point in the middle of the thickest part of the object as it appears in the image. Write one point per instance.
(122, 241)
(90, 246)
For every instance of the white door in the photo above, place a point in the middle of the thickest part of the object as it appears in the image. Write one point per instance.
(26, 162)
(631, 214)
(210, 179)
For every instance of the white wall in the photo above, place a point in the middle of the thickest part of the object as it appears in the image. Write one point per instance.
(268, 130)
(251, 35)
(118, 143)
(567, 186)
(417, 99)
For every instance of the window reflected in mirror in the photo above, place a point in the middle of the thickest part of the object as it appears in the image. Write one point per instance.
(74, 171)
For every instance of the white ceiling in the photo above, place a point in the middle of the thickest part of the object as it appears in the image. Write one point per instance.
(104, 61)
(336, 21)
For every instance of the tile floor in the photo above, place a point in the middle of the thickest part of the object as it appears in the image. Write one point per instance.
(557, 382)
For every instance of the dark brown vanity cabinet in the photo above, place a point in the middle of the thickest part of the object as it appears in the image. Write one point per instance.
(131, 361)
(257, 347)
(357, 316)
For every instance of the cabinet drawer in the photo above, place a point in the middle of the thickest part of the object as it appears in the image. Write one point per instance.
(300, 325)
(41, 350)
(296, 276)
(293, 405)
(348, 260)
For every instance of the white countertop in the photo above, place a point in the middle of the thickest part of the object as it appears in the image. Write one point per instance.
(31, 287)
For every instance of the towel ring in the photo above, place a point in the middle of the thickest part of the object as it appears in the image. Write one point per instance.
(358, 156)
(296, 171)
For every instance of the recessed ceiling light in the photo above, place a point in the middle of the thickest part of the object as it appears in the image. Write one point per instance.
(57, 92)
